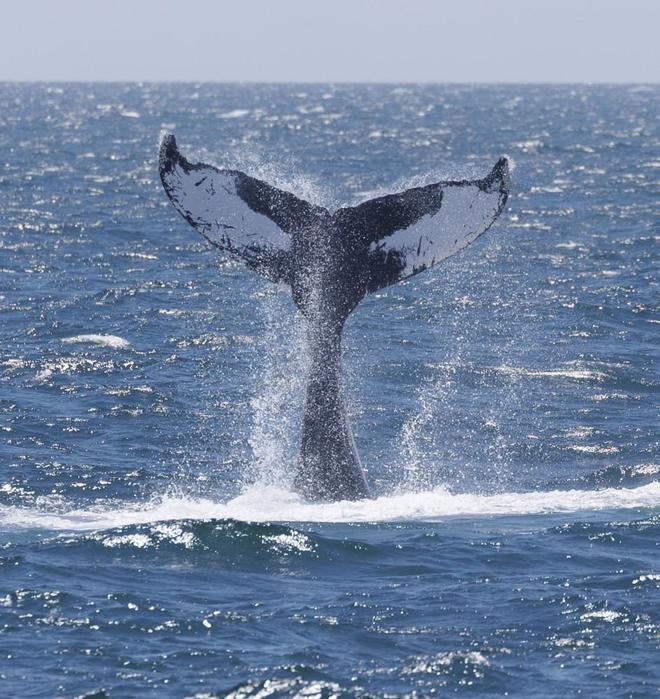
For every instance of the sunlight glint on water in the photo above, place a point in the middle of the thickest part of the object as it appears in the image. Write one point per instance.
(505, 404)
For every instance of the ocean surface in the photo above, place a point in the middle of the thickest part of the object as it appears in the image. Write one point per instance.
(504, 404)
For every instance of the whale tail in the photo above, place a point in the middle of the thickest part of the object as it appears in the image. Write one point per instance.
(386, 239)
(330, 261)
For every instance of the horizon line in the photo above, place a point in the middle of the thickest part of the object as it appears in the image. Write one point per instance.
(80, 81)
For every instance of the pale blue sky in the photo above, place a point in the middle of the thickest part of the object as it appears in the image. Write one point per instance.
(332, 40)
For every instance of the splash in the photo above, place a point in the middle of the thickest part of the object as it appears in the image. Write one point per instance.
(275, 429)
(414, 447)
(271, 504)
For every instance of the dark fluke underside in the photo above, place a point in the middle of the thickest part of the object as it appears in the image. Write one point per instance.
(330, 261)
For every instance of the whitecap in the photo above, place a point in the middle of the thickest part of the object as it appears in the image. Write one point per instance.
(567, 373)
(436, 664)
(234, 114)
(608, 615)
(594, 449)
(113, 341)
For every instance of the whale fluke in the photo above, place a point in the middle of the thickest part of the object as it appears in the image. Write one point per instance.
(330, 261)
(243, 216)
(412, 231)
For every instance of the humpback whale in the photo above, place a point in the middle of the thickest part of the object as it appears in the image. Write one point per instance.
(330, 261)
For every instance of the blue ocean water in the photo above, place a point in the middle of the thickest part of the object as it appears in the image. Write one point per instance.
(505, 405)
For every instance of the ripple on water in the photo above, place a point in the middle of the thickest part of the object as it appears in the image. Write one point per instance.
(519, 380)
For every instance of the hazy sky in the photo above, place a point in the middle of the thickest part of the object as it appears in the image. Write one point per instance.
(332, 40)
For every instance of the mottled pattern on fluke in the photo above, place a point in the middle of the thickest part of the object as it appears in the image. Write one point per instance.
(330, 261)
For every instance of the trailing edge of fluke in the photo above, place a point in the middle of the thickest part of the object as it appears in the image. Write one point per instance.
(331, 261)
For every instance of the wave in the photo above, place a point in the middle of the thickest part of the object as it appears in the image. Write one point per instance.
(268, 504)
(234, 114)
(113, 341)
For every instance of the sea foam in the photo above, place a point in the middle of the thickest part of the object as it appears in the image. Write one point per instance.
(269, 504)
(113, 341)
